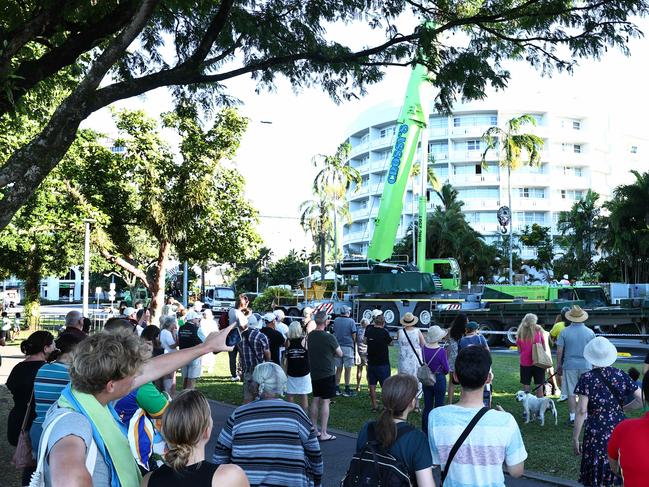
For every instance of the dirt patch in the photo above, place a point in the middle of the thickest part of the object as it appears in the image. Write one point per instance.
(10, 476)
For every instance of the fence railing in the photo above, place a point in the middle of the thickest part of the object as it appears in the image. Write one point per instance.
(54, 322)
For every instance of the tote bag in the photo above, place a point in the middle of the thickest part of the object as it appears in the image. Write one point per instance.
(540, 357)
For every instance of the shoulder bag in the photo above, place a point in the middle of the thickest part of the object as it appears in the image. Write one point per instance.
(461, 439)
(540, 357)
(424, 374)
(23, 456)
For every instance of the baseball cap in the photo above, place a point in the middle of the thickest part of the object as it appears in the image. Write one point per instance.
(376, 312)
(193, 315)
(268, 317)
(472, 325)
(198, 305)
(279, 314)
(345, 309)
(129, 311)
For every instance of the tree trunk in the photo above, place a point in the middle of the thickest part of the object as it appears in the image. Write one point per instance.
(158, 284)
(32, 306)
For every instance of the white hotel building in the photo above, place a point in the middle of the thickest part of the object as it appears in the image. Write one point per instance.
(582, 150)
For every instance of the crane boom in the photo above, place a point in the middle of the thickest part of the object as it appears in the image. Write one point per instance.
(411, 121)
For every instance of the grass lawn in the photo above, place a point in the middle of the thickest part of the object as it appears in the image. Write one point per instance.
(549, 447)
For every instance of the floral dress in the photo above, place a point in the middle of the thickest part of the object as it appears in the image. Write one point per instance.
(604, 413)
(451, 353)
(408, 361)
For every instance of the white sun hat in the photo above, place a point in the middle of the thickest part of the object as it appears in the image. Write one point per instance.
(600, 352)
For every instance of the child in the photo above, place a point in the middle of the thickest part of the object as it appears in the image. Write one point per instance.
(361, 359)
(16, 324)
(6, 325)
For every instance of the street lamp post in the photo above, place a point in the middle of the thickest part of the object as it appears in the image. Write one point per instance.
(86, 267)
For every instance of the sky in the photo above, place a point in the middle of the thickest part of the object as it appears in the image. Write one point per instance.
(275, 158)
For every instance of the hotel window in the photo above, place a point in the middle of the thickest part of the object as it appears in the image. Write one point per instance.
(634, 149)
(386, 132)
(531, 193)
(473, 145)
(576, 125)
(577, 148)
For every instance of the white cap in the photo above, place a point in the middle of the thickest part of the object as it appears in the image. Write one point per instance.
(279, 314)
(268, 317)
(129, 311)
(376, 312)
(193, 315)
(198, 306)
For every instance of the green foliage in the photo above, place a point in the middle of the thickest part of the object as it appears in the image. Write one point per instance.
(264, 302)
(513, 147)
(288, 270)
(581, 228)
(253, 270)
(50, 48)
(627, 228)
(448, 234)
(539, 238)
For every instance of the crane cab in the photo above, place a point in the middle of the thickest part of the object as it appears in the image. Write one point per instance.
(447, 271)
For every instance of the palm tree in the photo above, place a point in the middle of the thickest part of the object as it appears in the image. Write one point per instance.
(318, 216)
(335, 177)
(628, 227)
(512, 147)
(448, 195)
(581, 230)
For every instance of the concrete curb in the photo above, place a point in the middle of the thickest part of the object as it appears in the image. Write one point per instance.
(538, 476)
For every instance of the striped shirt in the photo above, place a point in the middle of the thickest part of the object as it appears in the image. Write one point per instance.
(495, 440)
(50, 381)
(272, 441)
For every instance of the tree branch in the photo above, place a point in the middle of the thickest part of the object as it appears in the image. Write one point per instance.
(216, 26)
(127, 266)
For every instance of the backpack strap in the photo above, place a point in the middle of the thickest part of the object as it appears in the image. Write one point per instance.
(461, 440)
(413, 347)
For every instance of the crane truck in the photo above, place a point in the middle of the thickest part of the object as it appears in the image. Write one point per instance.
(431, 290)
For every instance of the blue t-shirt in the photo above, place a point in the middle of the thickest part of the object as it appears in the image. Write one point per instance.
(574, 339)
(411, 449)
(343, 329)
(477, 340)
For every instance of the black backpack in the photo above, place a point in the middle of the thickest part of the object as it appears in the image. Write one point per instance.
(373, 466)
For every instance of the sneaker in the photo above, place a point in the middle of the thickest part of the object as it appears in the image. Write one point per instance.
(338, 393)
(234, 379)
(562, 398)
(349, 393)
(345, 393)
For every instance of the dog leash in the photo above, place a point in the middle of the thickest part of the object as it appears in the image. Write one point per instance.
(546, 381)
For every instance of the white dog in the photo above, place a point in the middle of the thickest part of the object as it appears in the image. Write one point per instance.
(536, 406)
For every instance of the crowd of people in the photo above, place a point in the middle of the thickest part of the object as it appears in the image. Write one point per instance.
(103, 410)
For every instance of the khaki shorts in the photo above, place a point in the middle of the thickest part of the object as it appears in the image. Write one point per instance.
(570, 379)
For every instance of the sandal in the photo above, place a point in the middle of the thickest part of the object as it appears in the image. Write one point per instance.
(331, 438)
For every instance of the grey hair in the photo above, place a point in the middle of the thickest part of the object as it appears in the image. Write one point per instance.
(167, 321)
(72, 318)
(295, 330)
(271, 379)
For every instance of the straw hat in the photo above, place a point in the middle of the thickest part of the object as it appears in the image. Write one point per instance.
(435, 334)
(600, 352)
(409, 320)
(576, 315)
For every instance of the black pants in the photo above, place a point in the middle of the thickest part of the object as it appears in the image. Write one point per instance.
(233, 362)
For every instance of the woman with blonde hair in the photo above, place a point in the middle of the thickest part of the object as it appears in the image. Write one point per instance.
(298, 374)
(186, 426)
(394, 434)
(528, 334)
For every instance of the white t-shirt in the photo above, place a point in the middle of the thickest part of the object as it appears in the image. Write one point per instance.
(167, 341)
(282, 327)
(495, 440)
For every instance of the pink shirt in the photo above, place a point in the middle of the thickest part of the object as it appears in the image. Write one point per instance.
(525, 349)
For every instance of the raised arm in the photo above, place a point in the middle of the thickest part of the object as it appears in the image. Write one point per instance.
(165, 364)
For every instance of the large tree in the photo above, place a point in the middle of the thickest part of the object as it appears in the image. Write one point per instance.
(158, 206)
(581, 229)
(111, 50)
(627, 230)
